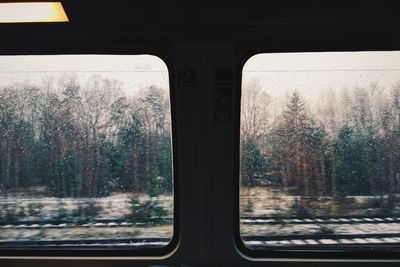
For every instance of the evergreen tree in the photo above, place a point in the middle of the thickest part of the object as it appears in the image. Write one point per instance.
(253, 165)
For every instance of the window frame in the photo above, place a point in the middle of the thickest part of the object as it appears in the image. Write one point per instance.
(274, 254)
(163, 52)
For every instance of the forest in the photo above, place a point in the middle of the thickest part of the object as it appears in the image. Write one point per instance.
(91, 140)
(75, 139)
(347, 145)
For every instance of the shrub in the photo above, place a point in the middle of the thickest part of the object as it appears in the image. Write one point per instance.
(149, 211)
(34, 209)
(325, 230)
(302, 208)
(86, 212)
(248, 206)
(9, 214)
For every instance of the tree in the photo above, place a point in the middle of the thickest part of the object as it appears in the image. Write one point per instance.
(350, 165)
(296, 146)
(131, 144)
(253, 163)
(254, 111)
(84, 141)
(154, 114)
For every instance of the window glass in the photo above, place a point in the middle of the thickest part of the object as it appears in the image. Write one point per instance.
(85, 151)
(320, 150)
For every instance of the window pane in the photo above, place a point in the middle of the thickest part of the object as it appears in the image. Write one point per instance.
(320, 150)
(85, 151)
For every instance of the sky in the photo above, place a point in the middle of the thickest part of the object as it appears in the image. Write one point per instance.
(314, 74)
(134, 71)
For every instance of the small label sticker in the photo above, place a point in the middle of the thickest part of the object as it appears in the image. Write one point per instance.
(186, 77)
(223, 81)
(223, 76)
(222, 104)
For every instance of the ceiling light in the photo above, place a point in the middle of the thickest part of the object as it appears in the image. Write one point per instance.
(20, 12)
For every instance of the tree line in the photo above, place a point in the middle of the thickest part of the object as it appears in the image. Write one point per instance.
(85, 140)
(350, 146)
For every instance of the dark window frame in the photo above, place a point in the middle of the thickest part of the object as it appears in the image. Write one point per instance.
(163, 52)
(329, 44)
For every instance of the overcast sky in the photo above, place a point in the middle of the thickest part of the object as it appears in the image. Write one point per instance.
(313, 74)
(134, 71)
(323, 78)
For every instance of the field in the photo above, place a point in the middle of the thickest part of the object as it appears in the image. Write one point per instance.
(264, 212)
(293, 215)
(25, 218)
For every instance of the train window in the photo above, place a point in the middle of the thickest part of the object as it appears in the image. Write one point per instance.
(85, 152)
(320, 151)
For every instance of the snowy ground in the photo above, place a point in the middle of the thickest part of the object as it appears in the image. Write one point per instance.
(319, 229)
(254, 202)
(267, 203)
(85, 233)
(49, 218)
(41, 208)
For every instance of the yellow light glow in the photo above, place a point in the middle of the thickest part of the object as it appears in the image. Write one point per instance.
(32, 12)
